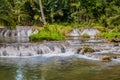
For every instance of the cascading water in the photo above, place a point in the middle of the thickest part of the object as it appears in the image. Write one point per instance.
(22, 50)
(91, 32)
(56, 48)
(21, 34)
(75, 32)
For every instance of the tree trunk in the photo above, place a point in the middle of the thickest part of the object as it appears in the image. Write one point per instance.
(42, 13)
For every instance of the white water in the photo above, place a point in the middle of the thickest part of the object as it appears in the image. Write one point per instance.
(25, 31)
(53, 49)
(76, 32)
(18, 50)
(50, 49)
(21, 34)
(91, 32)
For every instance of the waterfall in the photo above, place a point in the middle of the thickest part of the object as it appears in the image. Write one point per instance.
(20, 34)
(20, 50)
(75, 32)
(91, 32)
(53, 48)
(56, 48)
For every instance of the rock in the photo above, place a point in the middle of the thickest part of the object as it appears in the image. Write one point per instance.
(85, 49)
(78, 50)
(29, 54)
(106, 58)
(5, 53)
(116, 40)
(116, 44)
(114, 57)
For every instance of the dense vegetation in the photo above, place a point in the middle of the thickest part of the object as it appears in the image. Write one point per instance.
(88, 12)
(76, 13)
(48, 32)
(113, 35)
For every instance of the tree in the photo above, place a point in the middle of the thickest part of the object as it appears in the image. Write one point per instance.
(6, 15)
(42, 13)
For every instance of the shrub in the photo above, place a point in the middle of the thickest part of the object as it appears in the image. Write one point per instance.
(85, 36)
(66, 30)
(111, 35)
(100, 28)
(47, 33)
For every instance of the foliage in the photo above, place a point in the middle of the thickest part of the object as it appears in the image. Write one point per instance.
(6, 15)
(99, 27)
(85, 36)
(111, 35)
(78, 12)
(47, 33)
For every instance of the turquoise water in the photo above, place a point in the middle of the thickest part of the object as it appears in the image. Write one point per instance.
(57, 68)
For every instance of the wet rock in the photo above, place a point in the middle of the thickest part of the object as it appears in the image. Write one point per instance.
(114, 57)
(78, 50)
(85, 49)
(5, 53)
(96, 50)
(116, 40)
(20, 54)
(39, 52)
(106, 58)
(52, 48)
(30, 54)
(116, 44)
(63, 50)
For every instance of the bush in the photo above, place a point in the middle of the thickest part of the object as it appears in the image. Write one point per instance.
(111, 35)
(100, 28)
(85, 36)
(66, 30)
(47, 33)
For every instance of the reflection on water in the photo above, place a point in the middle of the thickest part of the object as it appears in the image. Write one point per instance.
(57, 68)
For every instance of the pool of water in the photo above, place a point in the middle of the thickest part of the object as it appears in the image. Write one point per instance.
(57, 68)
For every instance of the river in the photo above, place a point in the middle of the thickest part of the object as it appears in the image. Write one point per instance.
(58, 60)
(57, 68)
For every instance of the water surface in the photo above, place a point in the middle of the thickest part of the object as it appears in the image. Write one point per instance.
(57, 68)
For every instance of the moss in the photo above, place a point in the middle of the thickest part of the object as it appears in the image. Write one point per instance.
(85, 36)
(85, 49)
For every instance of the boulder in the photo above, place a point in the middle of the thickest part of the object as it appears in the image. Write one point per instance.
(106, 58)
(78, 50)
(85, 49)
